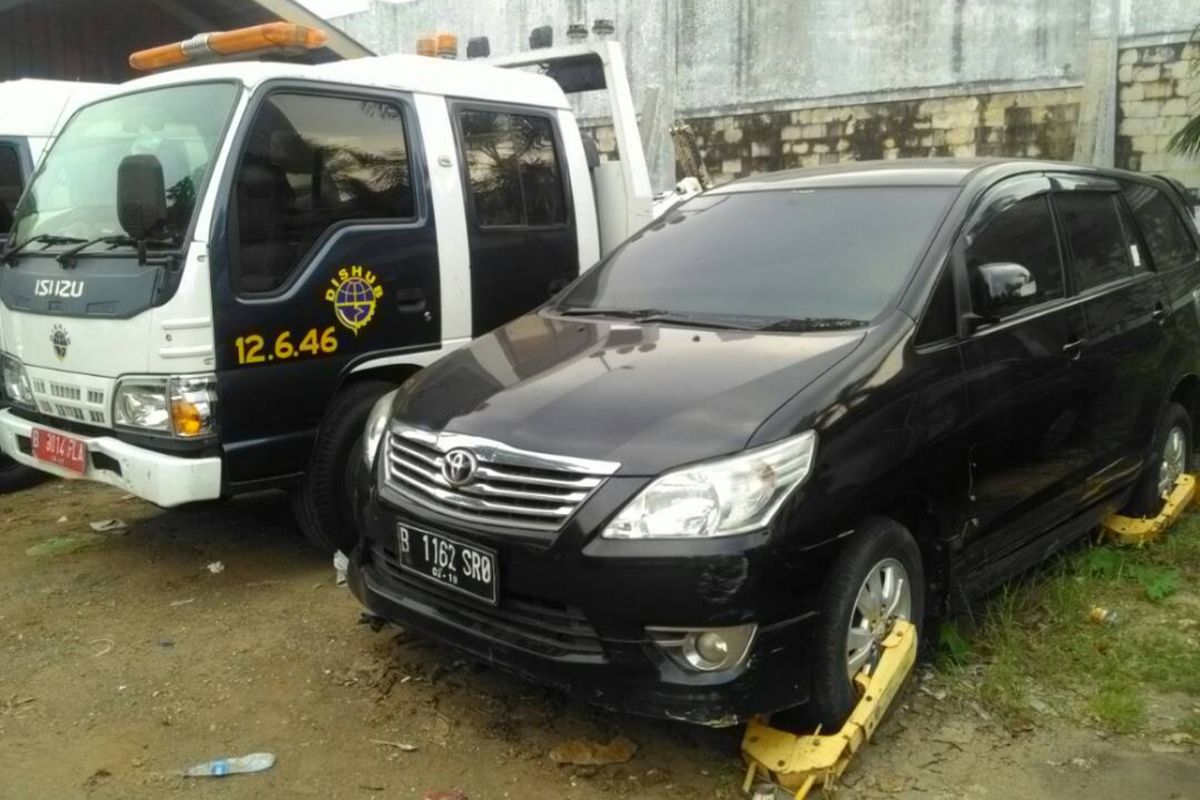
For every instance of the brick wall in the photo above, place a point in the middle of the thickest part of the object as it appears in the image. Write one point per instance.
(1156, 94)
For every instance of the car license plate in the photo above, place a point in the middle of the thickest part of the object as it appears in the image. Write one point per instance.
(62, 451)
(451, 562)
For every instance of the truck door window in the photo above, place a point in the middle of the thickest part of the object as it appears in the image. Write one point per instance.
(1017, 233)
(1170, 245)
(1094, 229)
(310, 163)
(11, 184)
(512, 169)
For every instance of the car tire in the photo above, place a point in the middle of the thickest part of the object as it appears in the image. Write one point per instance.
(1171, 455)
(878, 547)
(322, 500)
(15, 476)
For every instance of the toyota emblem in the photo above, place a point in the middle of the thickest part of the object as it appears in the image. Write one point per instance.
(458, 467)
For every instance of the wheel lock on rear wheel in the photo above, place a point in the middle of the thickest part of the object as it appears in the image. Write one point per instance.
(799, 763)
(1139, 531)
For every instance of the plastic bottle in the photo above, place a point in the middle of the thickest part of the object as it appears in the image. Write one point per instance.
(255, 762)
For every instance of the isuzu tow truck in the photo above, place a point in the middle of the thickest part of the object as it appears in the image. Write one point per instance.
(30, 113)
(219, 268)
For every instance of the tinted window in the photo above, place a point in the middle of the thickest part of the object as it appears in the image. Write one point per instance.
(816, 253)
(1020, 232)
(11, 184)
(311, 162)
(512, 169)
(941, 316)
(1170, 245)
(1093, 226)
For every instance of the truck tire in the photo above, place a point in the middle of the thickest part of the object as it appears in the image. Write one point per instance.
(321, 502)
(880, 549)
(1171, 455)
(15, 476)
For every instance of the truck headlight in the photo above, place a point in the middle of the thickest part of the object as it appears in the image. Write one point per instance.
(16, 382)
(723, 497)
(184, 406)
(377, 422)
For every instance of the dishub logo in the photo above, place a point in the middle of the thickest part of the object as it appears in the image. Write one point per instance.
(354, 292)
(458, 467)
(61, 341)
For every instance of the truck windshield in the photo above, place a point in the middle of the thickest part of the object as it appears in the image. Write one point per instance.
(782, 259)
(74, 193)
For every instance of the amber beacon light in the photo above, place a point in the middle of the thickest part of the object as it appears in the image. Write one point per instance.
(207, 46)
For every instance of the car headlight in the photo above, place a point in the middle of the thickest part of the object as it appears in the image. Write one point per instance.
(377, 422)
(718, 498)
(184, 406)
(16, 382)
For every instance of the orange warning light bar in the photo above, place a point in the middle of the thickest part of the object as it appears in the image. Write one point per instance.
(207, 46)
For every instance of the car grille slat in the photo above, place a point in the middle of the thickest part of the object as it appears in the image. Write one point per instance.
(510, 488)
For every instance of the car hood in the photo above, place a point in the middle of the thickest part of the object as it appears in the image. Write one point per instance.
(647, 396)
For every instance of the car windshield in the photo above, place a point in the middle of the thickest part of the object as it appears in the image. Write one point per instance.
(74, 193)
(804, 259)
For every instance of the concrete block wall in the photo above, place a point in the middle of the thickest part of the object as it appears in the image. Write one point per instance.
(1156, 94)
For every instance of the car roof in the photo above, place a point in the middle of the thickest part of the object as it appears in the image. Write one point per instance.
(422, 74)
(911, 172)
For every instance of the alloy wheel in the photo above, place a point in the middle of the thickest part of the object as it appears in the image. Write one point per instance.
(884, 597)
(1174, 460)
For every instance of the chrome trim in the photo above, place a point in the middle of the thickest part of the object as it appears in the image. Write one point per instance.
(512, 488)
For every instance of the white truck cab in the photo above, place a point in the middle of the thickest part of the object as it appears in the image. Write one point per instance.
(218, 269)
(31, 111)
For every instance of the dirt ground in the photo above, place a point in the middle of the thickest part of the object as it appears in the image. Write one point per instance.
(123, 659)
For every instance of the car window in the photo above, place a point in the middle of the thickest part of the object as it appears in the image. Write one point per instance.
(1170, 244)
(11, 184)
(941, 315)
(1093, 225)
(836, 256)
(310, 163)
(512, 169)
(1017, 232)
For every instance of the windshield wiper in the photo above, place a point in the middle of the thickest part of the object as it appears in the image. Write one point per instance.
(67, 257)
(46, 239)
(621, 313)
(809, 324)
(719, 322)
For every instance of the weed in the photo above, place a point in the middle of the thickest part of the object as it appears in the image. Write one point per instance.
(1119, 706)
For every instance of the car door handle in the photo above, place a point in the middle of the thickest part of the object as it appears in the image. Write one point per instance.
(410, 301)
(1074, 347)
(1159, 312)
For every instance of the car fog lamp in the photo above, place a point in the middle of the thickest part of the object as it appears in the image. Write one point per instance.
(705, 650)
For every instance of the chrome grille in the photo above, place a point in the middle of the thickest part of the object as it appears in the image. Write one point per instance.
(510, 488)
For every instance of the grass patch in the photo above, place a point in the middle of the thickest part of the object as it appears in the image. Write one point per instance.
(1035, 639)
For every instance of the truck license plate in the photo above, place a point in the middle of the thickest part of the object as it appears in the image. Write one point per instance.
(62, 451)
(451, 562)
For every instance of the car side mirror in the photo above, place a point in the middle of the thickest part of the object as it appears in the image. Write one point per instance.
(141, 195)
(1002, 287)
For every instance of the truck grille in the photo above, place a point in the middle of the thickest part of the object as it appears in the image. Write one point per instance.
(507, 487)
(69, 401)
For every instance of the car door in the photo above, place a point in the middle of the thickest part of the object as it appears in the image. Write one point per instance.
(330, 259)
(520, 220)
(1125, 305)
(1027, 390)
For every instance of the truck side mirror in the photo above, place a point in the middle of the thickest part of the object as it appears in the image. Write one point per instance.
(1003, 287)
(141, 195)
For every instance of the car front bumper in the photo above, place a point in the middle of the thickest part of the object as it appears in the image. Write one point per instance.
(576, 621)
(164, 480)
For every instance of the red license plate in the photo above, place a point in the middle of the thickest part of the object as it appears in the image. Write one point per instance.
(62, 451)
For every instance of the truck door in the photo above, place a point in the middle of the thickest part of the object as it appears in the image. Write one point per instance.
(329, 257)
(14, 170)
(520, 219)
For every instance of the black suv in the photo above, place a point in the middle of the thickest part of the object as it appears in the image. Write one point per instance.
(704, 479)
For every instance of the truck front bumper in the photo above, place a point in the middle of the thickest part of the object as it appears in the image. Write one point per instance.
(164, 480)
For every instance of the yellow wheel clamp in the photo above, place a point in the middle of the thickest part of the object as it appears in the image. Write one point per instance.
(1138, 531)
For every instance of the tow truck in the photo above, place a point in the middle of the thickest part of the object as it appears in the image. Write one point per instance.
(220, 266)
(30, 113)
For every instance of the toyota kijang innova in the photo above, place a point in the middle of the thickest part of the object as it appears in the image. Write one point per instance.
(704, 480)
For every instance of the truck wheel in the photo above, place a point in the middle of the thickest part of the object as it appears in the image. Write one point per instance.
(1170, 458)
(321, 502)
(15, 476)
(876, 579)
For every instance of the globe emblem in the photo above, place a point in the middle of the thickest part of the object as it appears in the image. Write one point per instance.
(354, 303)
